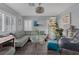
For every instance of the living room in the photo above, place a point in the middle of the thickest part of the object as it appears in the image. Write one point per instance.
(39, 28)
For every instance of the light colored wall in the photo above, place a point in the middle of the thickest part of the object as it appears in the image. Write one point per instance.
(41, 19)
(9, 11)
(74, 10)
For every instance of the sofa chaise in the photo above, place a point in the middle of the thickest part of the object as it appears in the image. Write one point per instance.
(21, 38)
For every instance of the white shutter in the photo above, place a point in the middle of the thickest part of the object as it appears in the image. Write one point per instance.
(28, 25)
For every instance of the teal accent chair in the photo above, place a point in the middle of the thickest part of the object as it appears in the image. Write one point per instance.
(53, 45)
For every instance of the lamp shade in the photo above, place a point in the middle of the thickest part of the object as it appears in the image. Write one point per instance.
(39, 9)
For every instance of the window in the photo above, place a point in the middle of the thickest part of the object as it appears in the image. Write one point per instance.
(27, 25)
(0, 22)
(12, 24)
(7, 23)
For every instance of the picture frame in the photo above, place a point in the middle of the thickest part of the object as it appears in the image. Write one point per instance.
(66, 20)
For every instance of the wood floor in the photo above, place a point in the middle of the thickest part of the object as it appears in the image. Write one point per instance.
(35, 49)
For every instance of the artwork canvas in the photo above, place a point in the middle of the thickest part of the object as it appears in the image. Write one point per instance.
(35, 23)
(66, 20)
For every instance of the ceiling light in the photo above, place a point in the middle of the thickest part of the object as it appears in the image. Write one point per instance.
(39, 9)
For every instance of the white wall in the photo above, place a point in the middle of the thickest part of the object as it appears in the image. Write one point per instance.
(74, 10)
(41, 20)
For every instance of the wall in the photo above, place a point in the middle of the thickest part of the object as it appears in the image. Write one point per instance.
(9, 11)
(41, 20)
(74, 10)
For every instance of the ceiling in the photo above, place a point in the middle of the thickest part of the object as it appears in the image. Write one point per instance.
(51, 9)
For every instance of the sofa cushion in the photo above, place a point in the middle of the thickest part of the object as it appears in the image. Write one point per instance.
(28, 32)
(35, 33)
(19, 34)
(21, 39)
(42, 32)
(77, 35)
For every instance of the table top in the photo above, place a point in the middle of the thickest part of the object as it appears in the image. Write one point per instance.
(7, 38)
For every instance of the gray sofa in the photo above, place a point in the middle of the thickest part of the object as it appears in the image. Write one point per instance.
(36, 36)
(21, 38)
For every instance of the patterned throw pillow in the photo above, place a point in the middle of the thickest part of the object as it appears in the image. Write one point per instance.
(76, 35)
(76, 38)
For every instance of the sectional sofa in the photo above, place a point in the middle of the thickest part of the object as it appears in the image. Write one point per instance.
(23, 36)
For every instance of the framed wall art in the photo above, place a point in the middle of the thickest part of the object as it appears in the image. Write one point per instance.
(66, 20)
